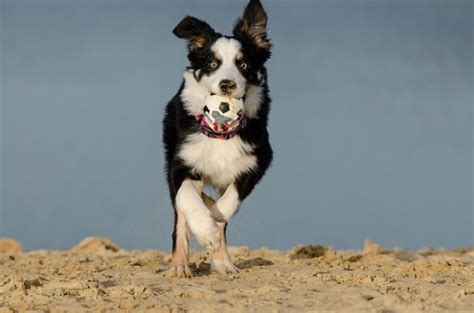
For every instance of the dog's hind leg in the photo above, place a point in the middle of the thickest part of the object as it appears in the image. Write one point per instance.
(221, 261)
(179, 258)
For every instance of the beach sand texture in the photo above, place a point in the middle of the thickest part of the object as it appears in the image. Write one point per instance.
(97, 275)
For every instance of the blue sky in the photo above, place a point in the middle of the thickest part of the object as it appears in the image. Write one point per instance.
(371, 122)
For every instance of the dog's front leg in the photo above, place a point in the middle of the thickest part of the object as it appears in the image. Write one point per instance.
(198, 218)
(221, 261)
(227, 205)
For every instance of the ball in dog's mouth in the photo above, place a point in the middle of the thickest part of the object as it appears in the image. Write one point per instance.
(241, 98)
(223, 113)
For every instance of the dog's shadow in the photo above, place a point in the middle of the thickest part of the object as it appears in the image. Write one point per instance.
(204, 268)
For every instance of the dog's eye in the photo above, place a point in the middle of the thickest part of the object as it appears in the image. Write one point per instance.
(213, 64)
(243, 65)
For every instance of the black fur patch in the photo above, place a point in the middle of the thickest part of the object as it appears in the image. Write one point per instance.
(251, 31)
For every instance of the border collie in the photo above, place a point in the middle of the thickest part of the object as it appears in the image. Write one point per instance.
(231, 66)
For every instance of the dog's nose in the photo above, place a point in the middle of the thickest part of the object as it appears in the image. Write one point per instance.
(227, 85)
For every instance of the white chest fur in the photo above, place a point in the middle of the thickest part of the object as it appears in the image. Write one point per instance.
(219, 161)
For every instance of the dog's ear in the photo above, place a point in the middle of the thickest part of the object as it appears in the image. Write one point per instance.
(253, 25)
(195, 31)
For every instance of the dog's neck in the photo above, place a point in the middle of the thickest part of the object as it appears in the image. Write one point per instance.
(193, 96)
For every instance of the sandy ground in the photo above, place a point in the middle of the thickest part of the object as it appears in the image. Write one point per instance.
(96, 275)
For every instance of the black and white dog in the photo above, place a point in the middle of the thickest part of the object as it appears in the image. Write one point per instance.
(231, 66)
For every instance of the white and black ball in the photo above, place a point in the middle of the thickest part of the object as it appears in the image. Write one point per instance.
(223, 114)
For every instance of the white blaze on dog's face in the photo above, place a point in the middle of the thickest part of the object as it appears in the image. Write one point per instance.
(226, 66)
(226, 78)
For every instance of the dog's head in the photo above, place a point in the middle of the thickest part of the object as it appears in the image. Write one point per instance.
(228, 65)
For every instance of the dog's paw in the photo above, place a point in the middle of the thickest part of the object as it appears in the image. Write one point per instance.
(224, 267)
(180, 271)
(209, 237)
(207, 232)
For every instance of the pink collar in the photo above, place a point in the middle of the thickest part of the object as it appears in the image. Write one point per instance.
(207, 130)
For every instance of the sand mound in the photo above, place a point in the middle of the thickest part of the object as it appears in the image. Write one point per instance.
(371, 248)
(97, 245)
(10, 245)
(306, 252)
(96, 275)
